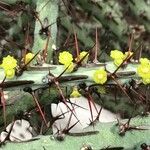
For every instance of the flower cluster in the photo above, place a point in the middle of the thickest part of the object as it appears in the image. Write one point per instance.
(119, 57)
(9, 64)
(28, 57)
(143, 70)
(100, 76)
(81, 56)
(66, 59)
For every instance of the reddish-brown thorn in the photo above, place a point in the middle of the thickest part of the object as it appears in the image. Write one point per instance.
(97, 118)
(26, 43)
(63, 97)
(120, 86)
(91, 99)
(39, 108)
(37, 17)
(96, 47)
(67, 129)
(131, 42)
(45, 51)
(76, 46)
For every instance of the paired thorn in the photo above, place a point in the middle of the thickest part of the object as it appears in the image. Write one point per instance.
(58, 117)
(60, 134)
(124, 127)
(87, 94)
(93, 123)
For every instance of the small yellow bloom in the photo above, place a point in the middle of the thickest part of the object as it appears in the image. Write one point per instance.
(146, 80)
(10, 73)
(9, 62)
(144, 61)
(65, 57)
(75, 92)
(116, 54)
(28, 57)
(143, 70)
(82, 54)
(100, 76)
(70, 66)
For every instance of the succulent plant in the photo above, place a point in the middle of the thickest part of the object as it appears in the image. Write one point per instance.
(33, 46)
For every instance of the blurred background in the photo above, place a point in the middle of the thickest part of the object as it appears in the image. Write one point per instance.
(114, 21)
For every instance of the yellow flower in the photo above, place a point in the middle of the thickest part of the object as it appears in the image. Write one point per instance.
(28, 57)
(146, 80)
(65, 57)
(75, 92)
(119, 57)
(116, 54)
(70, 66)
(10, 73)
(143, 70)
(9, 62)
(144, 61)
(100, 76)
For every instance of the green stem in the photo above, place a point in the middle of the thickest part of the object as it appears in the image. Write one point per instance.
(47, 12)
